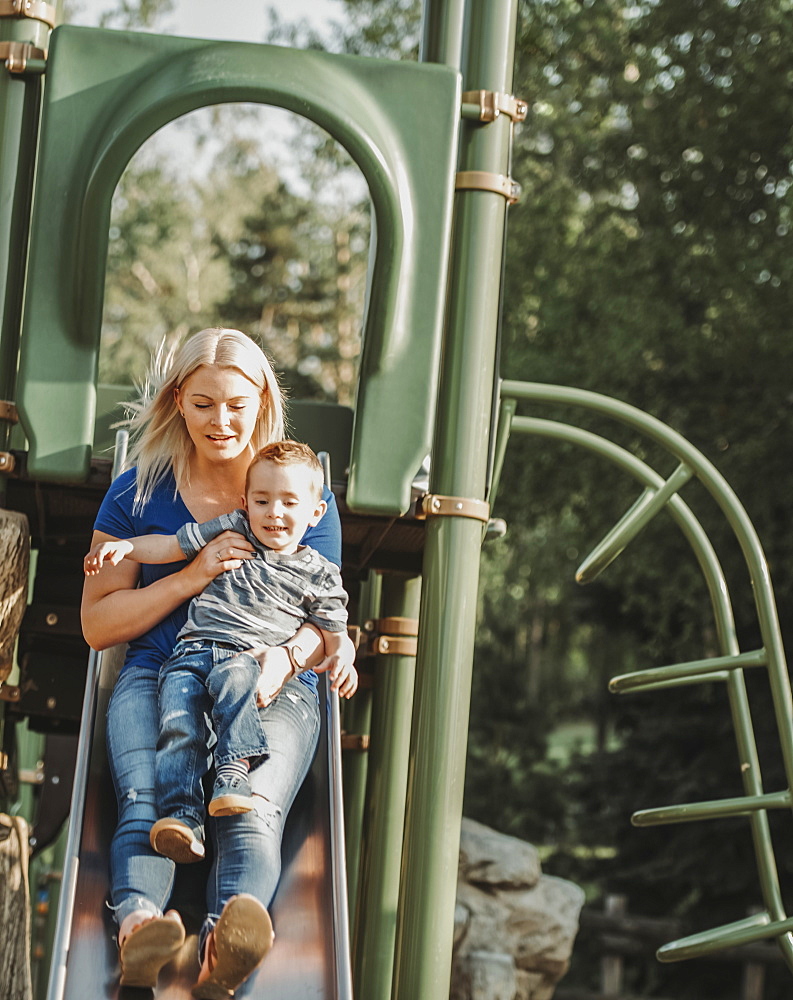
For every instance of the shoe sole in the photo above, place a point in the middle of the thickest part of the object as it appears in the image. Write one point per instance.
(243, 936)
(230, 805)
(173, 839)
(147, 950)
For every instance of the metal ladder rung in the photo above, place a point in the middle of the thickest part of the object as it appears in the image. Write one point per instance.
(630, 524)
(712, 669)
(755, 928)
(743, 805)
(717, 675)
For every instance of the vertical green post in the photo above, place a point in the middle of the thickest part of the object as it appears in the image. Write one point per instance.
(375, 926)
(357, 718)
(451, 557)
(20, 99)
(442, 32)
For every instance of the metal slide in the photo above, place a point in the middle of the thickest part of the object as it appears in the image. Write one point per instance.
(310, 958)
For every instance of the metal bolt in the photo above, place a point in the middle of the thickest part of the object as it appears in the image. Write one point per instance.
(51, 619)
(51, 703)
(384, 645)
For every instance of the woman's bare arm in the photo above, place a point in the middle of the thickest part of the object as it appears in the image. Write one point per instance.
(114, 609)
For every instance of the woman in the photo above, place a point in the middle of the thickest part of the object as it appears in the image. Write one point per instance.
(215, 402)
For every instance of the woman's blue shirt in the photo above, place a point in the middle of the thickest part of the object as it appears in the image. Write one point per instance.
(164, 514)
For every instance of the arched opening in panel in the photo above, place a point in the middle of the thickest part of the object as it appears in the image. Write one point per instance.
(245, 216)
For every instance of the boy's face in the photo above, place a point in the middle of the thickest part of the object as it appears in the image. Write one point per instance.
(281, 505)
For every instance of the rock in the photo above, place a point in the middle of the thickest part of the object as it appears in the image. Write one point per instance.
(462, 918)
(486, 975)
(514, 926)
(490, 858)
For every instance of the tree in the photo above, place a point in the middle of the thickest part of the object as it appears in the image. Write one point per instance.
(164, 278)
(298, 270)
(127, 14)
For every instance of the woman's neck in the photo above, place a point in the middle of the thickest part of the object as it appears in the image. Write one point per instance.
(214, 488)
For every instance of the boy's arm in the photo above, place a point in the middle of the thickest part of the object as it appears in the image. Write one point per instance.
(328, 614)
(193, 537)
(142, 549)
(155, 549)
(339, 657)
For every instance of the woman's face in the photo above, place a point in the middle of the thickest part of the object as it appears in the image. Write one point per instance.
(220, 409)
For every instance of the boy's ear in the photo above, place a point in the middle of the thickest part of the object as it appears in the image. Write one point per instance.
(244, 502)
(318, 514)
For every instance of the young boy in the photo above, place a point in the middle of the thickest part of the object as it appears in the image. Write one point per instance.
(212, 669)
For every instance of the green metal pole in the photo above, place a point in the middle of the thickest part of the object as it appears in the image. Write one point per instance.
(375, 928)
(451, 558)
(357, 720)
(442, 32)
(22, 40)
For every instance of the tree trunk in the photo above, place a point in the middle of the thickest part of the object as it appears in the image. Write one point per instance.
(15, 981)
(14, 562)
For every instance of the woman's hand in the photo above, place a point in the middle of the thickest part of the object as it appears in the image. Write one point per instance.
(228, 551)
(114, 609)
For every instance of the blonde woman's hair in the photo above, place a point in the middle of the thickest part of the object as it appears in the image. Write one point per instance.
(160, 442)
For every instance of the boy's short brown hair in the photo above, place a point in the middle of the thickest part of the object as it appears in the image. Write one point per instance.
(290, 453)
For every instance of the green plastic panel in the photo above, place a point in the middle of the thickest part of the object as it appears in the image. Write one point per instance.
(107, 92)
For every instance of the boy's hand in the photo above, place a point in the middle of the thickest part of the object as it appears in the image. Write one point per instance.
(339, 657)
(106, 552)
(276, 671)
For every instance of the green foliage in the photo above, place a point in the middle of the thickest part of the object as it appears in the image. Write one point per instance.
(383, 28)
(236, 248)
(650, 260)
(127, 15)
(163, 276)
(298, 279)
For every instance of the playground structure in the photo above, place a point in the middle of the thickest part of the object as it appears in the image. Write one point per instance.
(428, 368)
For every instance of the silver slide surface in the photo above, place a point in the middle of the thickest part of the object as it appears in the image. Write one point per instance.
(310, 958)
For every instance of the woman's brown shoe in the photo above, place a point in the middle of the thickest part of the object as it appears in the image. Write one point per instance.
(147, 948)
(241, 938)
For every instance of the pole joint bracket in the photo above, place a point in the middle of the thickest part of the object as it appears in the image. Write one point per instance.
(8, 411)
(392, 636)
(354, 741)
(492, 103)
(435, 505)
(37, 10)
(484, 180)
(18, 55)
(10, 693)
(7, 462)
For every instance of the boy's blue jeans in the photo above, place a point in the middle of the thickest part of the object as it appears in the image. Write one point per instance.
(199, 682)
(247, 847)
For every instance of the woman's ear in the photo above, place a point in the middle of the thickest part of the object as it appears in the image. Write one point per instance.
(177, 400)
